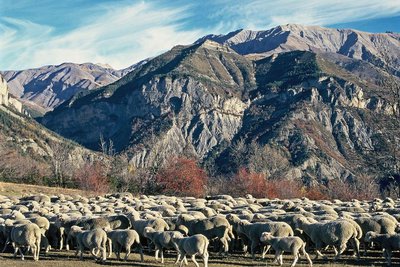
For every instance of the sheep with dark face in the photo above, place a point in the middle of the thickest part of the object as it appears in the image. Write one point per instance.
(125, 238)
(293, 244)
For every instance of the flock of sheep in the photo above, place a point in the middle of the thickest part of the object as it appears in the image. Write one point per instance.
(193, 227)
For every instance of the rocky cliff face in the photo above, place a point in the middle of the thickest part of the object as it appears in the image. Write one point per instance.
(43, 89)
(324, 114)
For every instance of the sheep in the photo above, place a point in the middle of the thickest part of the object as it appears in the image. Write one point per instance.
(125, 238)
(162, 240)
(28, 235)
(44, 225)
(214, 227)
(55, 235)
(293, 244)
(95, 239)
(335, 233)
(253, 232)
(192, 246)
(387, 241)
(107, 222)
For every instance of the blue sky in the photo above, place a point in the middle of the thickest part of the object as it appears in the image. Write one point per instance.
(34, 33)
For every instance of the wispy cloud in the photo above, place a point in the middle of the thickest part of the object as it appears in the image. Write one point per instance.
(261, 14)
(122, 32)
(120, 36)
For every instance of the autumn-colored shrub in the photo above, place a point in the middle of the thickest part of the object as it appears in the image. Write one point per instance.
(91, 177)
(246, 182)
(256, 184)
(284, 188)
(182, 177)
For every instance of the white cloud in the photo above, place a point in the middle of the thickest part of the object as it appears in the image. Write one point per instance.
(261, 14)
(121, 34)
(120, 37)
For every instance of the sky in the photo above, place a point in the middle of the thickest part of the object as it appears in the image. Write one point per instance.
(34, 33)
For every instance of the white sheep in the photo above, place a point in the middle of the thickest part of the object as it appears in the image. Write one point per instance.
(162, 240)
(192, 246)
(95, 240)
(335, 233)
(125, 238)
(293, 244)
(28, 235)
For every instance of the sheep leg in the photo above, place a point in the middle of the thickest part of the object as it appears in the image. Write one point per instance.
(156, 254)
(103, 254)
(205, 258)
(183, 256)
(46, 244)
(178, 256)
(117, 250)
(225, 246)
(281, 259)
(61, 243)
(318, 253)
(296, 258)
(194, 260)
(162, 255)
(93, 253)
(110, 247)
(388, 257)
(276, 259)
(265, 250)
(342, 248)
(6, 244)
(80, 248)
(16, 251)
(128, 252)
(356, 246)
(305, 254)
(253, 249)
(141, 252)
(35, 250)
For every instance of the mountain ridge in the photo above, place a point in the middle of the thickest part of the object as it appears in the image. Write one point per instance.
(46, 87)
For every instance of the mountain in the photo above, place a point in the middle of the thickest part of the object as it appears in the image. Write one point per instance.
(43, 89)
(22, 139)
(311, 115)
(375, 48)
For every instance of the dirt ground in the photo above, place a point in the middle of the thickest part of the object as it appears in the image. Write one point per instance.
(67, 258)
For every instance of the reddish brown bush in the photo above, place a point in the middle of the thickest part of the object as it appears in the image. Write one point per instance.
(91, 177)
(246, 182)
(256, 184)
(182, 177)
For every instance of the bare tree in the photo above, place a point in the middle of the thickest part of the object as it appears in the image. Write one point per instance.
(391, 94)
(60, 162)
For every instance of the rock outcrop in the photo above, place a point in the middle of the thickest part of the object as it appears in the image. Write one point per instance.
(8, 100)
